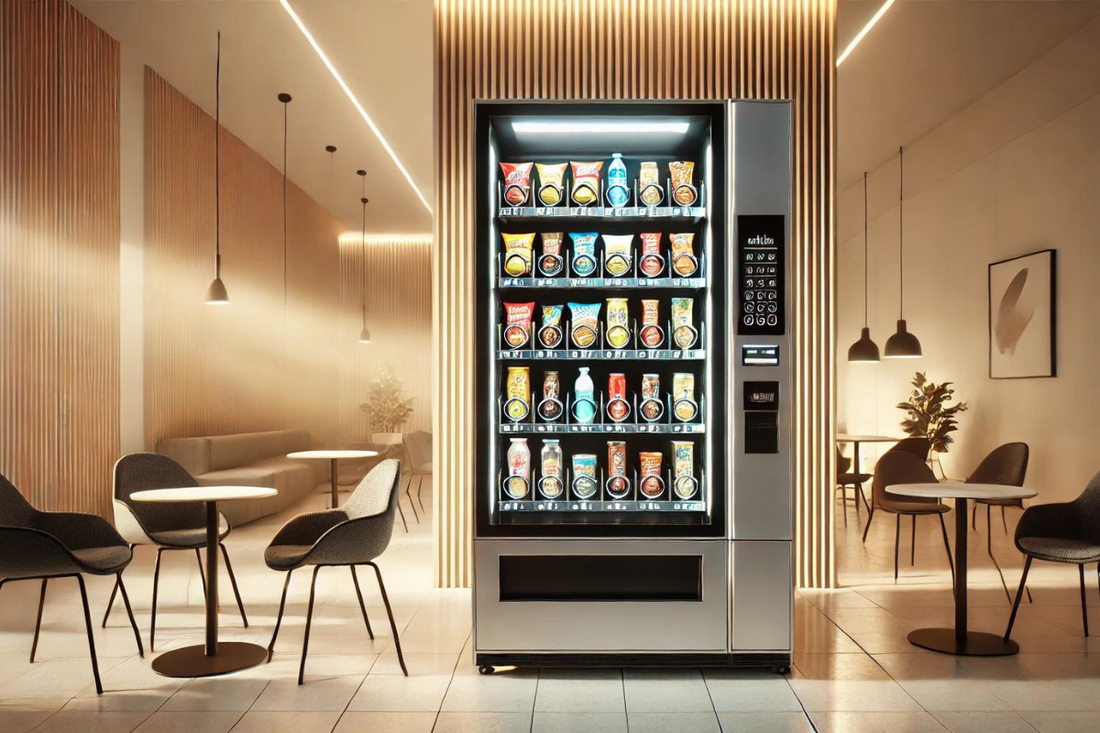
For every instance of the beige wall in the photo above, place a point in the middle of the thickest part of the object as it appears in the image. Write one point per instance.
(1017, 171)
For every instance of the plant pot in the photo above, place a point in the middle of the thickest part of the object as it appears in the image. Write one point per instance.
(387, 438)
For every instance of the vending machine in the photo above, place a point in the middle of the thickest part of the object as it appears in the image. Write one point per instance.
(633, 462)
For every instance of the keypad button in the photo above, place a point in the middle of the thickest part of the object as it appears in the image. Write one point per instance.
(772, 320)
(748, 320)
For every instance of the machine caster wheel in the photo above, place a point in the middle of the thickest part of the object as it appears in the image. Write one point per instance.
(783, 670)
(486, 669)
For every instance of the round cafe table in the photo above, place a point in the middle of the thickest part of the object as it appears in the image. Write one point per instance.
(334, 456)
(855, 440)
(959, 640)
(211, 658)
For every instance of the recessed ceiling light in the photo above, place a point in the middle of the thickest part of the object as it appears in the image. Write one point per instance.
(359, 107)
(521, 127)
(859, 36)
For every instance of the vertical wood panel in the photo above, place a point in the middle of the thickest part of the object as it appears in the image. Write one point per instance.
(643, 49)
(59, 255)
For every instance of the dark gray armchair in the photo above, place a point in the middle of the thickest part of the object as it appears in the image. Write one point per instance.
(355, 534)
(1005, 465)
(169, 526)
(44, 546)
(1068, 533)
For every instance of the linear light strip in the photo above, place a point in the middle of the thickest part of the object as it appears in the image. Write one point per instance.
(357, 238)
(866, 29)
(354, 101)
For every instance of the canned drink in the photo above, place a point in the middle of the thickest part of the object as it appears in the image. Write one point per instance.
(551, 485)
(683, 396)
(551, 406)
(584, 475)
(517, 392)
(618, 323)
(651, 483)
(683, 468)
(617, 407)
(617, 483)
(651, 406)
(517, 484)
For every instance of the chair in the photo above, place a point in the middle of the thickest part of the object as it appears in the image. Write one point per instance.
(1067, 533)
(45, 546)
(903, 467)
(1007, 466)
(171, 527)
(418, 455)
(354, 534)
(844, 480)
(919, 447)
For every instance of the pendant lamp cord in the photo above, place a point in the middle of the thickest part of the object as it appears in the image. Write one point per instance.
(364, 200)
(286, 105)
(901, 233)
(217, 161)
(865, 249)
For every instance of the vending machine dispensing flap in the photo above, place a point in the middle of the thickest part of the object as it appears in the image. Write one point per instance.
(761, 417)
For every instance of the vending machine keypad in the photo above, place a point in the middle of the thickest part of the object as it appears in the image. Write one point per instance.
(760, 263)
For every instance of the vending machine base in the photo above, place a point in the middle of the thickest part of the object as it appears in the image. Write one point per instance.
(780, 662)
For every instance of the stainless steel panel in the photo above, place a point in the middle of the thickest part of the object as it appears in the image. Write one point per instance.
(622, 626)
(762, 501)
(763, 596)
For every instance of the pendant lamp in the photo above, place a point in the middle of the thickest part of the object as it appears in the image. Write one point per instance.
(285, 99)
(364, 334)
(216, 294)
(902, 345)
(865, 350)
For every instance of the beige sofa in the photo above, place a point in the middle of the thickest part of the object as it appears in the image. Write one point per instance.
(251, 459)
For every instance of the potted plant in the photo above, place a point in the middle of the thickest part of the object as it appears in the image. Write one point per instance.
(387, 408)
(929, 414)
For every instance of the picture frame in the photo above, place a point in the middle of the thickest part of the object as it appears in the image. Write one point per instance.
(1022, 316)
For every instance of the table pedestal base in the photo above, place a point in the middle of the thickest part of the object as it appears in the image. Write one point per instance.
(192, 661)
(976, 643)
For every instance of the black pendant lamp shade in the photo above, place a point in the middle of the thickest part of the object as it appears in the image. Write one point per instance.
(216, 294)
(865, 350)
(364, 334)
(902, 345)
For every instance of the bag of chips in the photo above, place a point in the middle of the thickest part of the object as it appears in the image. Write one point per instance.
(584, 253)
(518, 250)
(551, 263)
(649, 184)
(586, 182)
(617, 254)
(684, 263)
(517, 323)
(683, 332)
(550, 335)
(517, 182)
(651, 335)
(618, 323)
(586, 323)
(680, 171)
(550, 177)
(652, 264)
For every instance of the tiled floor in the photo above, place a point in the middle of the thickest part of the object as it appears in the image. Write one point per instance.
(854, 670)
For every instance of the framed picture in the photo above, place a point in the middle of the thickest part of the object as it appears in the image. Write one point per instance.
(1021, 316)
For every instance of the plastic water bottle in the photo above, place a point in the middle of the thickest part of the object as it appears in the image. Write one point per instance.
(618, 190)
(584, 407)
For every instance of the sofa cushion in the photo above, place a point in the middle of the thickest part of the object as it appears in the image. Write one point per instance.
(191, 453)
(242, 449)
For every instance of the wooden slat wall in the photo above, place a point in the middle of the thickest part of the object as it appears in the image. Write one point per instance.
(268, 360)
(59, 255)
(399, 313)
(635, 49)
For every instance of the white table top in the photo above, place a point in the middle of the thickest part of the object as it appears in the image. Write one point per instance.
(333, 454)
(204, 493)
(962, 490)
(850, 438)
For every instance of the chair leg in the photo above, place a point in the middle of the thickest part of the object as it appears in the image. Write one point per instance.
(153, 611)
(38, 622)
(393, 625)
(202, 574)
(309, 622)
(363, 606)
(843, 502)
(1004, 522)
(913, 541)
(279, 618)
(1019, 595)
(233, 582)
(91, 639)
(412, 504)
(1084, 611)
(859, 488)
(989, 549)
(870, 516)
(947, 546)
(897, 543)
(419, 488)
(974, 516)
(401, 512)
(110, 604)
(129, 612)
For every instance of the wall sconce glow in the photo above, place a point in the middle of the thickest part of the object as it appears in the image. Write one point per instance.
(627, 127)
(347, 91)
(866, 29)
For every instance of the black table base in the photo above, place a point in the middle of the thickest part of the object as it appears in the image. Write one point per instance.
(192, 661)
(974, 644)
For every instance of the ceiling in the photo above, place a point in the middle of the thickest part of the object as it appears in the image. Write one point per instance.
(923, 62)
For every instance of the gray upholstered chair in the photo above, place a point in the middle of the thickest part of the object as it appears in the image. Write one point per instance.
(919, 447)
(355, 534)
(903, 467)
(418, 462)
(1007, 466)
(844, 480)
(1067, 533)
(44, 546)
(169, 526)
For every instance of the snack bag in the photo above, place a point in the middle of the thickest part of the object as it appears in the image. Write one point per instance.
(517, 323)
(684, 263)
(683, 468)
(518, 249)
(618, 323)
(550, 335)
(586, 323)
(584, 475)
(683, 332)
(550, 176)
(652, 335)
(649, 184)
(680, 171)
(586, 182)
(683, 396)
(617, 254)
(517, 182)
(517, 393)
(551, 263)
(584, 253)
(652, 264)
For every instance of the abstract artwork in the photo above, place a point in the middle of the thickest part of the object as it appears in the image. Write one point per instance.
(1021, 316)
